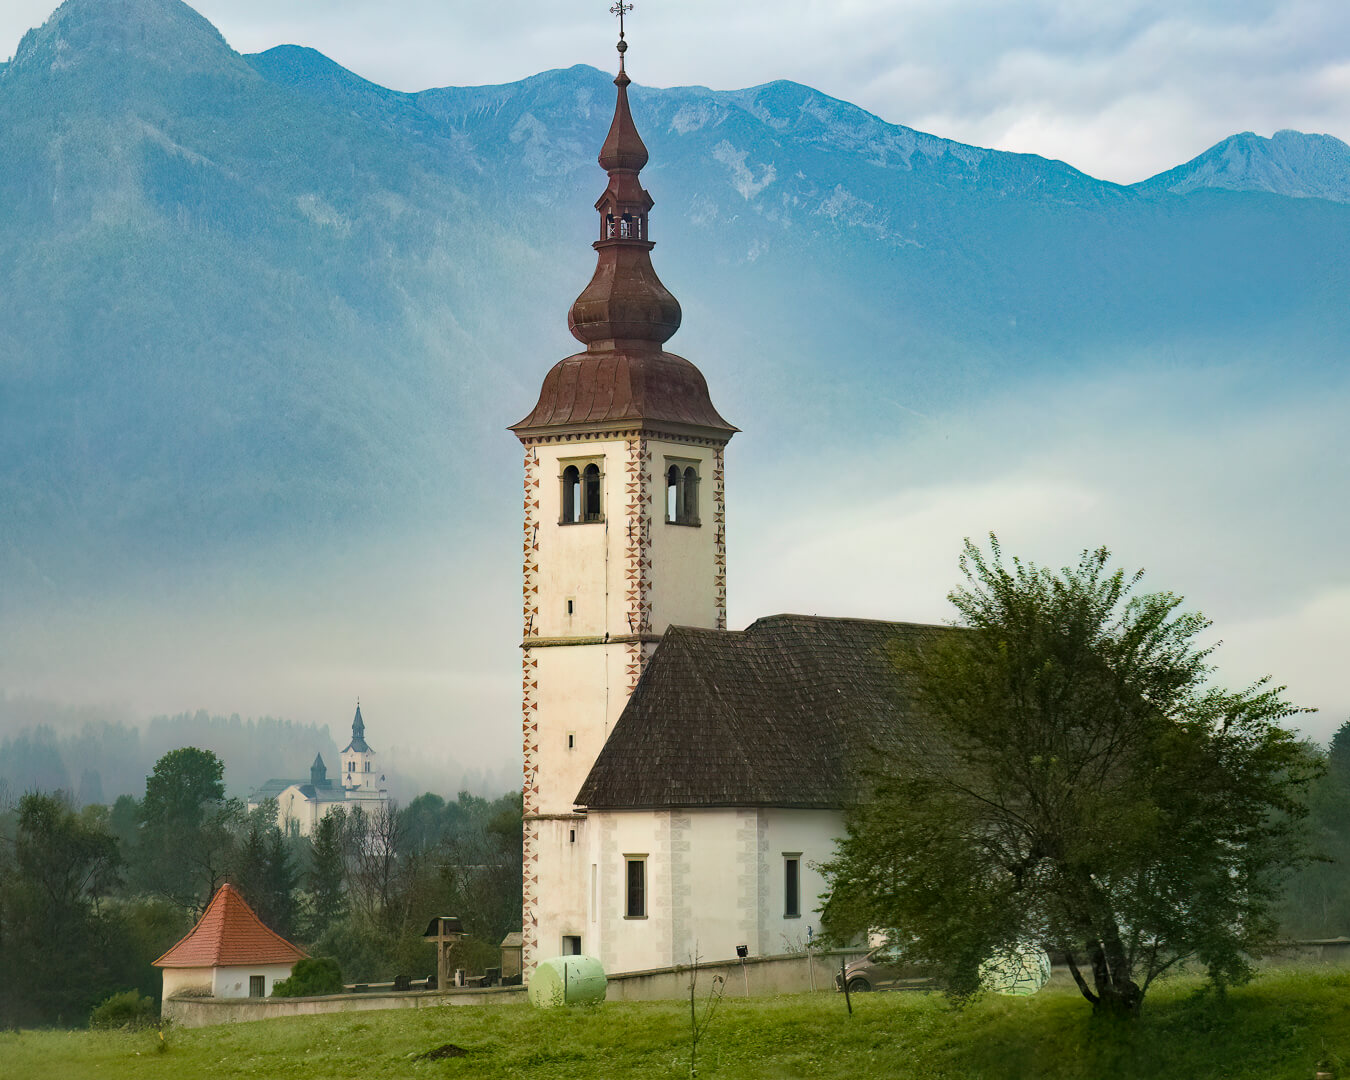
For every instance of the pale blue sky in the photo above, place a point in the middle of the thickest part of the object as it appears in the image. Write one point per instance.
(1121, 90)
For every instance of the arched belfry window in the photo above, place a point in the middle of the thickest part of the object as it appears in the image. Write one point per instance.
(571, 495)
(590, 490)
(581, 499)
(682, 492)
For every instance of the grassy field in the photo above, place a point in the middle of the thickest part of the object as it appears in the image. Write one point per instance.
(1274, 1029)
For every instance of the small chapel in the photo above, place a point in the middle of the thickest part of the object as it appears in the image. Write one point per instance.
(682, 781)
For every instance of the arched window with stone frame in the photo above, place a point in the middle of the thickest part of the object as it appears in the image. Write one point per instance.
(581, 498)
(681, 492)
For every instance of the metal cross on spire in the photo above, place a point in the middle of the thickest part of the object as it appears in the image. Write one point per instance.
(621, 9)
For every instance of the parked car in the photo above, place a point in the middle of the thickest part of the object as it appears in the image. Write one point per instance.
(882, 969)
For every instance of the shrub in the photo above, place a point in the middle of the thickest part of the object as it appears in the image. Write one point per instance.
(124, 1010)
(310, 977)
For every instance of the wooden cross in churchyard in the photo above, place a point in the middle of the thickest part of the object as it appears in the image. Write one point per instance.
(446, 931)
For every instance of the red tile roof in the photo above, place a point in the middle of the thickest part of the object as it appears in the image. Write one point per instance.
(229, 933)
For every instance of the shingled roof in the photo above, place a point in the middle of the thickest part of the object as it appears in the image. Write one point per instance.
(228, 934)
(784, 713)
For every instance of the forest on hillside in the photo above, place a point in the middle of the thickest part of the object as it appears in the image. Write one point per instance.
(90, 896)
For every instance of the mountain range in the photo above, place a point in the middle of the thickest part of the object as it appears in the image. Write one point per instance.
(249, 300)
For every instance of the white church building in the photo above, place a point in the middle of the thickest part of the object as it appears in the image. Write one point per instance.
(304, 803)
(682, 781)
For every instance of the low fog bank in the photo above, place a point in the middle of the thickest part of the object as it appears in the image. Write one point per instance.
(97, 753)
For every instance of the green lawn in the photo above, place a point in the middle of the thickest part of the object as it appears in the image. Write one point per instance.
(1273, 1029)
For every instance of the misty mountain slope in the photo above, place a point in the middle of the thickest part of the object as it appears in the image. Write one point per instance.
(1288, 163)
(251, 298)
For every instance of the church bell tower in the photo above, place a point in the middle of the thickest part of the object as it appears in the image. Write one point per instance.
(624, 534)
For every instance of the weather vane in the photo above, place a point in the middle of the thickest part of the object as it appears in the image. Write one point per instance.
(620, 9)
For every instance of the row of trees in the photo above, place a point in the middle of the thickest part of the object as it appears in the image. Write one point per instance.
(88, 898)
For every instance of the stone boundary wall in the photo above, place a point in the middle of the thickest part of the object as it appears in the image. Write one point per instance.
(790, 973)
(765, 975)
(1328, 952)
(193, 1012)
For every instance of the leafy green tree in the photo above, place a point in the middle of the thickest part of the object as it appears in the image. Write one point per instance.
(188, 830)
(1085, 789)
(184, 785)
(58, 947)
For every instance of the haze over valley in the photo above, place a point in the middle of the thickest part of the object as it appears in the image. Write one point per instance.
(263, 325)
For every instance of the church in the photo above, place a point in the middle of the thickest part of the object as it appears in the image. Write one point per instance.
(682, 781)
(303, 804)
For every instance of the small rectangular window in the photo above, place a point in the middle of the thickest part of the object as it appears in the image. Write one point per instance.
(571, 605)
(792, 891)
(257, 986)
(571, 836)
(635, 906)
(571, 740)
(571, 944)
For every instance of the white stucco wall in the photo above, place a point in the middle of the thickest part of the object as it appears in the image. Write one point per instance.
(232, 982)
(780, 832)
(683, 556)
(293, 806)
(192, 980)
(585, 560)
(358, 771)
(715, 880)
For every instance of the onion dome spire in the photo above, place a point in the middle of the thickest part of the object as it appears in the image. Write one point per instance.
(624, 315)
(625, 305)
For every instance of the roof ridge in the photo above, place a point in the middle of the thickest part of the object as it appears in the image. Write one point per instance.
(789, 615)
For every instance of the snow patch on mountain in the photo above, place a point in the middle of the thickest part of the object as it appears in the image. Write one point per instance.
(542, 153)
(696, 115)
(742, 177)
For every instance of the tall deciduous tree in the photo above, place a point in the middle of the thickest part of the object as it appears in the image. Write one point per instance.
(188, 827)
(1087, 790)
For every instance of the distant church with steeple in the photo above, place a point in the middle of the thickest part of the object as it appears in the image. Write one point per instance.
(303, 803)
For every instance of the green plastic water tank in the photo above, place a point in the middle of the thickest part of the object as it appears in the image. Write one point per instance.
(567, 980)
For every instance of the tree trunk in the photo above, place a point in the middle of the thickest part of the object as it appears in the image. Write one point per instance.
(1117, 994)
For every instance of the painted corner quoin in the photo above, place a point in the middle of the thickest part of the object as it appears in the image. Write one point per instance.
(530, 706)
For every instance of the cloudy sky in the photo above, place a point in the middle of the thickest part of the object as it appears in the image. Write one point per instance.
(1120, 90)
(1223, 494)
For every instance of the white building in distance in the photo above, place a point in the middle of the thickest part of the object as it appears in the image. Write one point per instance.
(306, 803)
